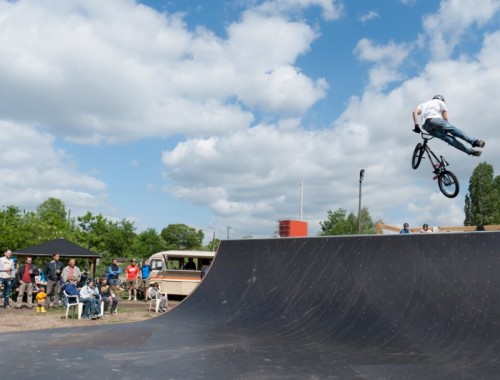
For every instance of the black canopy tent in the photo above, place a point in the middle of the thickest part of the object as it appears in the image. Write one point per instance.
(65, 248)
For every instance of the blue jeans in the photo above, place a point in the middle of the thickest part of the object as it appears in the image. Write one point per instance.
(90, 306)
(7, 287)
(446, 131)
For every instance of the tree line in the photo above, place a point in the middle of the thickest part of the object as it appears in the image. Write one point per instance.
(109, 238)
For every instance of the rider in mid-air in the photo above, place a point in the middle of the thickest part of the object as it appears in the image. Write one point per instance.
(434, 115)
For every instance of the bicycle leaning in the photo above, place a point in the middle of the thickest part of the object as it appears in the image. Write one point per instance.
(447, 181)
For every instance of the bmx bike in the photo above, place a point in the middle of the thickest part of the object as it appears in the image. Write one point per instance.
(447, 181)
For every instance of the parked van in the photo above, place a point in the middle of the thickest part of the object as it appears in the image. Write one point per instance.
(179, 272)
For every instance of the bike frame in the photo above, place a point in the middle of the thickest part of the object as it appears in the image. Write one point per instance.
(447, 181)
(438, 164)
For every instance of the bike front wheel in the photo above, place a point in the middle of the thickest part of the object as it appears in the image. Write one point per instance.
(448, 184)
(417, 156)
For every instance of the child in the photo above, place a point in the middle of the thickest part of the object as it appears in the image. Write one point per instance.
(154, 293)
(40, 300)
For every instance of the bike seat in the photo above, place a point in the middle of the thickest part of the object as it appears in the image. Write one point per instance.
(426, 136)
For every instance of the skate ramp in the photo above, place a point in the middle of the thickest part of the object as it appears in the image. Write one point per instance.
(362, 307)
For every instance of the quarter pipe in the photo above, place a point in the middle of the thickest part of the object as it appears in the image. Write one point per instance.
(360, 307)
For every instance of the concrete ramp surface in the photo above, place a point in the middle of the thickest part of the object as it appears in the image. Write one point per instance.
(363, 307)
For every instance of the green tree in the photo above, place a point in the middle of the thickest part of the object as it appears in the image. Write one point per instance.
(482, 202)
(339, 223)
(213, 245)
(53, 217)
(183, 237)
(92, 232)
(147, 243)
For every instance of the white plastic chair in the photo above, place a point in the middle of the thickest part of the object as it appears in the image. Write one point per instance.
(156, 301)
(74, 302)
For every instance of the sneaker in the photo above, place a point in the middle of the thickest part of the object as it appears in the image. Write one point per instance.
(85, 317)
(476, 153)
(479, 144)
(6, 307)
(113, 313)
(93, 316)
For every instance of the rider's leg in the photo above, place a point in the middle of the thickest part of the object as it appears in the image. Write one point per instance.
(438, 129)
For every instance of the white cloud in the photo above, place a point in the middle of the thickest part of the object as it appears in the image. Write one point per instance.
(119, 71)
(371, 15)
(453, 20)
(331, 9)
(250, 179)
(32, 170)
(386, 59)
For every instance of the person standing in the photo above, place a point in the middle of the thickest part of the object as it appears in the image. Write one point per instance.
(52, 271)
(132, 272)
(406, 229)
(6, 276)
(41, 296)
(114, 272)
(26, 278)
(70, 271)
(425, 229)
(145, 278)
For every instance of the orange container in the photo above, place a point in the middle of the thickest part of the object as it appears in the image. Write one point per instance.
(290, 228)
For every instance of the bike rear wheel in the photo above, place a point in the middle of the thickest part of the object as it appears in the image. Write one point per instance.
(418, 153)
(448, 184)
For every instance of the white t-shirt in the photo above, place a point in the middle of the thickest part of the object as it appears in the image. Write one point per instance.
(5, 264)
(432, 109)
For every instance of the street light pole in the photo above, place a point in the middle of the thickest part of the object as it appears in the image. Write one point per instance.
(361, 176)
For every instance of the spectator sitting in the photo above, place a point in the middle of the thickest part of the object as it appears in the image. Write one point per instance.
(40, 300)
(425, 229)
(89, 296)
(154, 293)
(406, 229)
(70, 287)
(480, 227)
(107, 297)
(190, 265)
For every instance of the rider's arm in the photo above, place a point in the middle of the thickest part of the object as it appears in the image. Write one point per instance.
(416, 113)
(444, 114)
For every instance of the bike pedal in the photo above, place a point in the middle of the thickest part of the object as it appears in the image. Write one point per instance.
(435, 177)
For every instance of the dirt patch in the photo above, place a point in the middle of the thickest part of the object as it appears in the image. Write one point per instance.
(12, 320)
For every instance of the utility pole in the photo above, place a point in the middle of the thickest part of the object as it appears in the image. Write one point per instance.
(361, 176)
(228, 228)
(301, 200)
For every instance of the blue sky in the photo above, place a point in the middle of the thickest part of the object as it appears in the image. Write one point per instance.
(212, 113)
